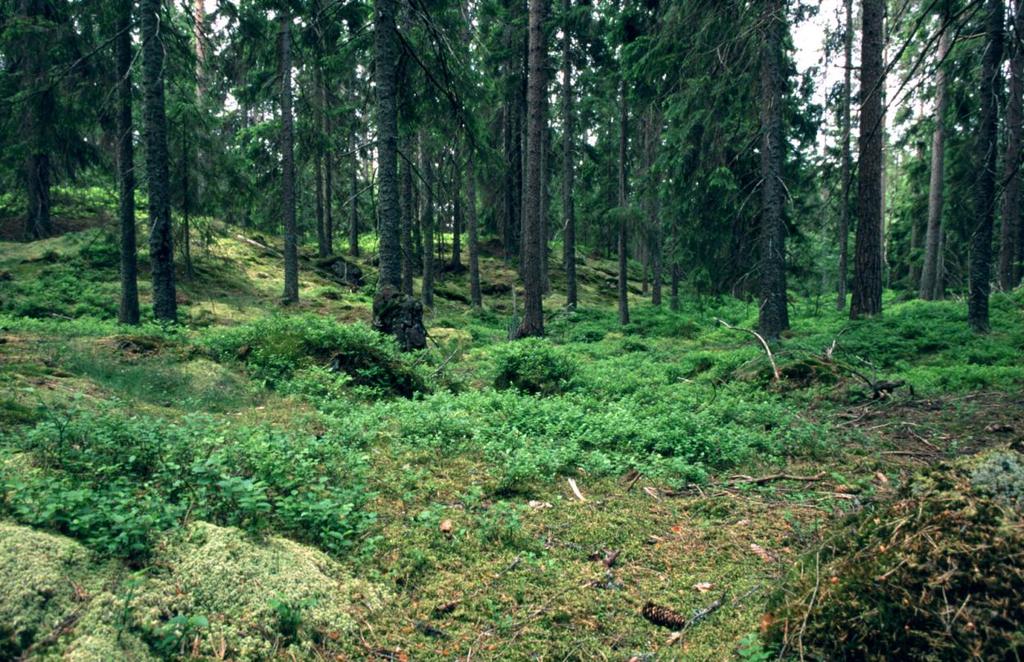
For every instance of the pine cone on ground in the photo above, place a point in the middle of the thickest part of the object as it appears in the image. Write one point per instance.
(663, 616)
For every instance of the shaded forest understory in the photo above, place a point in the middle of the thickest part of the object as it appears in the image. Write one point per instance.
(268, 482)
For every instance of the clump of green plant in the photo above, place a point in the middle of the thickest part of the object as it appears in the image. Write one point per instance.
(117, 483)
(534, 366)
(275, 348)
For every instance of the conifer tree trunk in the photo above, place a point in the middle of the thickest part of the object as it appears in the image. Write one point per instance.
(32, 58)
(1010, 229)
(472, 229)
(427, 224)
(568, 165)
(455, 264)
(985, 186)
(408, 221)
(533, 313)
(931, 277)
(321, 228)
(654, 226)
(674, 300)
(845, 170)
(161, 241)
(867, 275)
(393, 312)
(353, 212)
(774, 315)
(623, 246)
(291, 252)
(128, 309)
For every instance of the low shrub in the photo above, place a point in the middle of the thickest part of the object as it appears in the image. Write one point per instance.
(275, 348)
(534, 366)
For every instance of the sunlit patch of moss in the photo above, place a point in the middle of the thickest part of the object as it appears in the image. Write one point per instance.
(232, 580)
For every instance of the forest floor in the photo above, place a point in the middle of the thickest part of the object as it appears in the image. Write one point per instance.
(216, 491)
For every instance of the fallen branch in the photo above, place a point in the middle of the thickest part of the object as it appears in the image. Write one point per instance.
(750, 480)
(764, 344)
(576, 490)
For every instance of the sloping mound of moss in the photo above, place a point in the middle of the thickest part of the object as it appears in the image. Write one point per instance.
(246, 599)
(936, 574)
(44, 581)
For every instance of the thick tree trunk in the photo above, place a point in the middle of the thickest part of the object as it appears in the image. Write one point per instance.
(867, 276)
(623, 245)
(931, 277)
(291, 251)
(393, 312)
(1010, 229)
(844, 168)
(427, 224)
(774, 315)
(533, 312)
(472, 229)
(128, 310)
(161, 241)
(568, 164)
(985, 187)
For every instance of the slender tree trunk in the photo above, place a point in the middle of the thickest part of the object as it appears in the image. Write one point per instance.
(623, 291)
(128, 310)
(774, 314)
(199, 34)
(186, 207)
(931, 277)
(291, 251)
(161, 240)
(654, 225)
(533, 312)
(329, 197)
(472, 223)
(353, 213)
(1010, 229)
(39, 118)
(568, 164)
(321, 228)
(455, 264)
(408, 221)
(845, 170)
(674, 300)
(427, 224)
(867, 276)
(981, 240)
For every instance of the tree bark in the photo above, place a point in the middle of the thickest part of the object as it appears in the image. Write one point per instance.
(472, 229)
(353, 211)
(387, 149)
(455, 264)
(931, 278)
(568, 164)
(39, 116)
(985, 186)
(161, 240)
(291, 252)
(1010, 229)
(844, 168)
(623, 245)
(533, 312)
(318, 168)
(128, 309)
(654, 226)
(867, 276)
(427, 223)
(408, 221)
(674, 296)
(774, 315)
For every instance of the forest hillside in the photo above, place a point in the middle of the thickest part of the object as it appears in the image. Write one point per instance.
(511, 330)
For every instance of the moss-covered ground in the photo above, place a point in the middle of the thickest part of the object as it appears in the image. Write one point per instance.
(264, 482)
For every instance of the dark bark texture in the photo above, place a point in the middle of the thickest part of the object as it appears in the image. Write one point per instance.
(386, 62)
(1010, 229)
(985, 187)
(867, 273)
(774, 316)
(931, 277)
(291, 251)
(472, 232)
(533, 284)
(161, 240)
(128, 309)
(623, 245)
(844, 168)
(568, 164)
